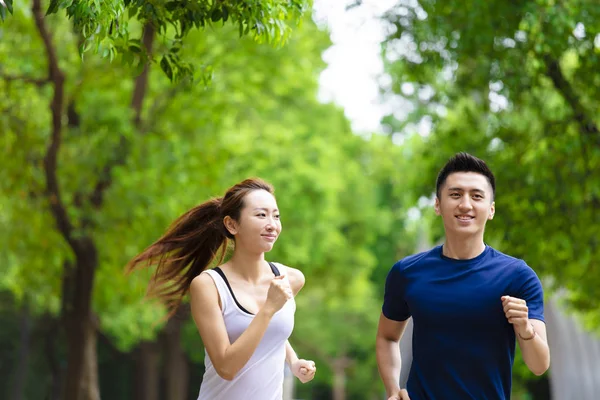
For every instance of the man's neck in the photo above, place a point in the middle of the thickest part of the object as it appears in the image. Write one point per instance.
(460, 249)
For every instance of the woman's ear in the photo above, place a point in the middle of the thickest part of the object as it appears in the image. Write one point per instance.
(230, 225)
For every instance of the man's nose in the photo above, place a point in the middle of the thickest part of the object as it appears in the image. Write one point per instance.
(465, 203)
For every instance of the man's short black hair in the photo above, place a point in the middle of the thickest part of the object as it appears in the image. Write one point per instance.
(465, 162)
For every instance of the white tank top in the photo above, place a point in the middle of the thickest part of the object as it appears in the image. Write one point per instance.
(262, 376)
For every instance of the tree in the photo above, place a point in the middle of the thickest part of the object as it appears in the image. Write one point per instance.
(516, 84)
(108, 26)
(137, 151)
(76, 191)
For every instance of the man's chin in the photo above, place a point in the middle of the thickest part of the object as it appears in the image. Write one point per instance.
(465, 230)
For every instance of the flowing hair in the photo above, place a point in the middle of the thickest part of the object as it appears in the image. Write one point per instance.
(192, 243)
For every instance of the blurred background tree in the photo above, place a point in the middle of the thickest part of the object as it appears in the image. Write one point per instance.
(116, 117)
(517, 85)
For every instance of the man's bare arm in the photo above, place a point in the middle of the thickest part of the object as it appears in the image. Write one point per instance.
(389, 362)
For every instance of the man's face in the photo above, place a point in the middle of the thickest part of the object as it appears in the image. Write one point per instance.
(466, 203)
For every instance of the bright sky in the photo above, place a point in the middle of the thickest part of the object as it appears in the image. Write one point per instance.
(354, 61)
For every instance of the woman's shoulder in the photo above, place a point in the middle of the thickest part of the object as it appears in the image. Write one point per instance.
(203, 282)
(295, 276)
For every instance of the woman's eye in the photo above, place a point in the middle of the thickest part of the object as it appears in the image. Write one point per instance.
(277, 216)
(262, 215)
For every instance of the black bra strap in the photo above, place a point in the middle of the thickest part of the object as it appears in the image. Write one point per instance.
(222, 274)
(274, 269)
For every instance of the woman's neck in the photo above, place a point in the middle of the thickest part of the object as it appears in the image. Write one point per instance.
(249, 266)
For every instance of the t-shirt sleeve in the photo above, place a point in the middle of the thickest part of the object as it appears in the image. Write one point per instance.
(532, 292)
(394, 303)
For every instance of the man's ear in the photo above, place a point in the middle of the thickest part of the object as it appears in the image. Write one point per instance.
(230, 225)
(492, 210)
(436, 206)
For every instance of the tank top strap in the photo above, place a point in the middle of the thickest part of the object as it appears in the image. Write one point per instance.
(222, 288)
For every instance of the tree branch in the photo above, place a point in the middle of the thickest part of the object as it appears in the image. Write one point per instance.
(139, 93)
(141, 82)
(158, 106)
(587, 124)
(56, 76)
(39, 82)
(587, 127)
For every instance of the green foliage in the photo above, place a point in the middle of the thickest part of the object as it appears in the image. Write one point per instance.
(341, 329)
(341, 195)
(15, 320)
(517, 85)
(113, 28)
(6, 6)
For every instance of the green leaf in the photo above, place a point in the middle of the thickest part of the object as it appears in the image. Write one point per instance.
(132, 11)
(165, 65)
(216, 15)
(172, 5)
(53, 7)
(225, 14)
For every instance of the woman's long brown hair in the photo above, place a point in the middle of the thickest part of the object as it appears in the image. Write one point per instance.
(191, 244)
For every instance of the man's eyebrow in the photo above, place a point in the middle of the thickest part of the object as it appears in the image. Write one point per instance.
(459, 189)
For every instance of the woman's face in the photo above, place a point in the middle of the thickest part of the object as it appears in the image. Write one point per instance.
(259, 225)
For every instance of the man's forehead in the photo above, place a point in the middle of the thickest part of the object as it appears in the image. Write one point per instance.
(467, 181)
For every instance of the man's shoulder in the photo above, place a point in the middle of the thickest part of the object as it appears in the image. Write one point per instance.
(505, 259)
(517, 267)
(417, 258)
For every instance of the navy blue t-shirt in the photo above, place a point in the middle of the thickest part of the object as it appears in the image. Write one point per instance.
(463, 345)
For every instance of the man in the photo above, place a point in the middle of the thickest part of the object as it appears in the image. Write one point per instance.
(469, 302)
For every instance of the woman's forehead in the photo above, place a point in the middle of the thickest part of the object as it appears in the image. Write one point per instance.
(260, 199)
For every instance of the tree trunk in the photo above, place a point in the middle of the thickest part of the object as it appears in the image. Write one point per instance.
(176, 366)
(82, 367)
(147, 371)
(339, 366)
(56, 370)
(20, 372)
(90, 387)
(82, 362)
(78, 280)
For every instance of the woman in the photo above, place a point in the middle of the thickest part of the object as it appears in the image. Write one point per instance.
(243, 309)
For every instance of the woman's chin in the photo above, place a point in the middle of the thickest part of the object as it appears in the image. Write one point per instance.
(267, 247)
